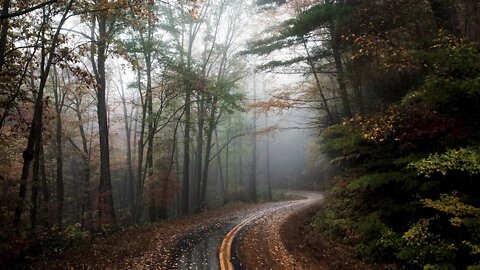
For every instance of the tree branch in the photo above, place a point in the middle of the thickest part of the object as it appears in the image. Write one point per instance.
(28, 10)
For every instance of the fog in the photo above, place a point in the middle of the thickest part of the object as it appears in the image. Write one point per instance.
(285, 148)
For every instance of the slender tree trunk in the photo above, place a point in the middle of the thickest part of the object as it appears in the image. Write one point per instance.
(134, 121)
(106, 208)
(141, 147)
(219, 162)
(235, 167)
(208, 148)
(59, 150)
(130, 185)
(186, 156)
(45, 191)
(172, 165)
(227, 156)
(86, 203)
(240, 161)
(347, 111)
(269, 183)
(199, 160)
(331, 119)
(253, 181)
(151, 126)
(35, 184)
(177, 175)
(4, 32)
(35, 125)
(147, 119)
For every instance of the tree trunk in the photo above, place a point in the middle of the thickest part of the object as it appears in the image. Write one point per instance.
(219, 162)
(35, 177)
(208, 148)
(269, 184)
(334, 39)
(59, 150)
(240, 161)
(198, 162)
(105, 200)
(186, 156)
(150, 126)
(253, 179)
(331, 119)
(141, 148)
(35, 125)
(227, 156)
(130, 185)
(235, 165)
(177, 176)
(446, 15)
(173, 164)
(4, 32)
(86, 203)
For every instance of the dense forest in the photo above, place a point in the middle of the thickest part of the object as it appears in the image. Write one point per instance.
(120, 113)
(397, 87)
(115, 113)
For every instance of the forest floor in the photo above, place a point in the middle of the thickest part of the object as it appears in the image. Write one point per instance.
(144, 247)
(277, 240)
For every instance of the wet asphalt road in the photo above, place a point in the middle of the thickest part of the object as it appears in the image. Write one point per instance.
(199, 249)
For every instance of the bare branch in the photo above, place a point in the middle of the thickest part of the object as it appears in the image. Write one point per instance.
(28, 10)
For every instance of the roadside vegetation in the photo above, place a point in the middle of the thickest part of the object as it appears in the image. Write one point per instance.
(397, 87)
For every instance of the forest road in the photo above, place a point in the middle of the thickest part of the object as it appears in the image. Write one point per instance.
(249, 240)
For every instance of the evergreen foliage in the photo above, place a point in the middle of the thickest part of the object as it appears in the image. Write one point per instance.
(406, 186)
(409, 192)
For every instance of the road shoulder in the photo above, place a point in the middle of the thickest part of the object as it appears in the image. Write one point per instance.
(311, 250)
(261, 245)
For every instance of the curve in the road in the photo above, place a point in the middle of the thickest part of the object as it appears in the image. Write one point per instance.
(226, 247)
(225, 251)
(213, 245)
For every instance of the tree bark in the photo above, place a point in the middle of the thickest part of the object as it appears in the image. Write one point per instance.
(342, 85)
(85, 153)
(331, 119)
(240, 161)
(198, 161)
(150, 118)
(105, 198)
(253, 178)
(4, 32)
(208, 148)
(130, 185)
(219, 163)
(269, 183)
(186, 156)
(35, 183)
(141, 148)
(59, 150)
(45, 189)
(227, 156)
